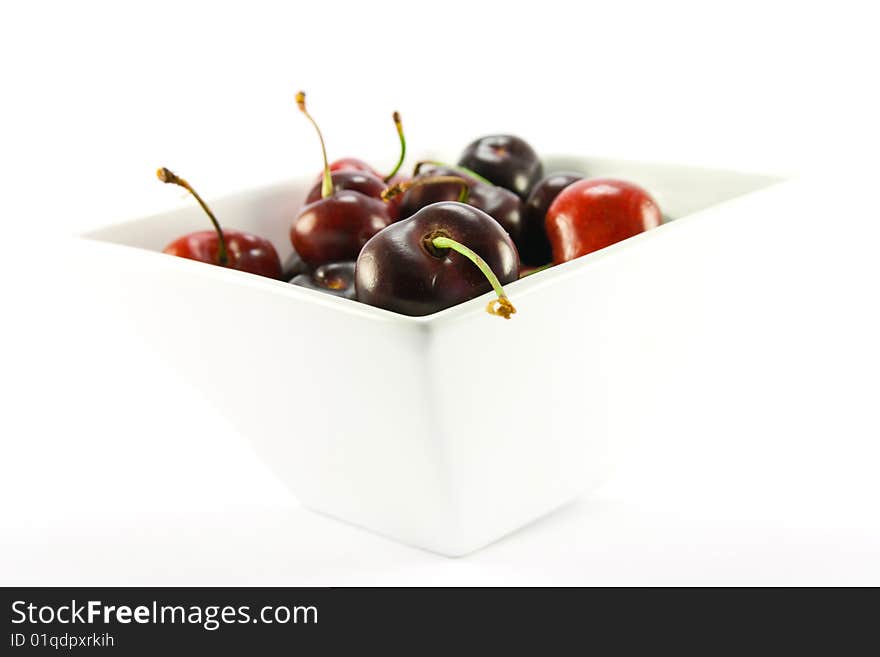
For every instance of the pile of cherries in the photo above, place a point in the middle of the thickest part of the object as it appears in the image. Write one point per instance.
(448, 233)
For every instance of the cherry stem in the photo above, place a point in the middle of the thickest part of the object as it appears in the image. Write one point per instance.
(327, 181)
(399, 125)
(168, 176)
(401, 187)
(500, 306)
(456, 167)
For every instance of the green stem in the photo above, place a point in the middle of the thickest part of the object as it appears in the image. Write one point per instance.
(505, 308)
(455, 167)
(168, 176)
(326, 181)
(399, 125)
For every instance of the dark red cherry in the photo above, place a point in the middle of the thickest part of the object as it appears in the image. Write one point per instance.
(335, 278)
(227, 248)
(293, 266)
(589, 215)
(534, 247)
(351, 164)
(336, 226)
(504, 160)
(394, 202)
(444, 254)
(501, 204)
(358, 181)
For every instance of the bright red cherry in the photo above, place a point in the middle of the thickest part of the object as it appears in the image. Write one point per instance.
(589, 215)
(336, 226)
(227, 248)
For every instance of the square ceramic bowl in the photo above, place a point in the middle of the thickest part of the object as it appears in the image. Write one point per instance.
(444, 432)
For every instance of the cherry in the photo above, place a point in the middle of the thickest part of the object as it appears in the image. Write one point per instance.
(350, 164)
(293, 266)
(393, 203)
(505, 160)
(430, 261)
(336, 226)
(358, 181)
(589, 215)
(534, 247)
(227, 248)
(336, 278)
(501, 204)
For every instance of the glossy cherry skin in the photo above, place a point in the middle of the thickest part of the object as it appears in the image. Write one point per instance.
(589, 215)
(504, 160)
(501, 204)
(534, 247)
(335, 278)
(351, 164)
(399, 271)
(348, 164)
(293, 266)
(358, 181)
(334, 229)
(245, 251)
(395, 202)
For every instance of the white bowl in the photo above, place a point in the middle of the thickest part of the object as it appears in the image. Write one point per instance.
(445, 432)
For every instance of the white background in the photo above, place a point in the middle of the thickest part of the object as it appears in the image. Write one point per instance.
(112, 469)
